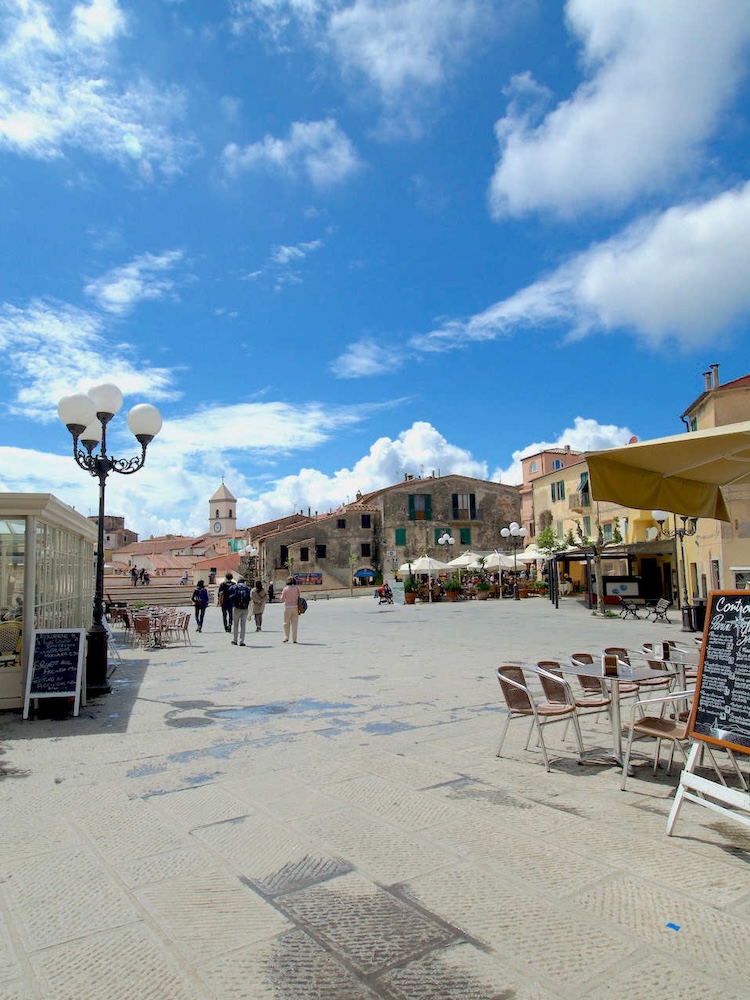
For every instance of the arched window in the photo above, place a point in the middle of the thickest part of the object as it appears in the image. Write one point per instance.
(217, 512)
(534, 467)
(230, 511)
(557, 464)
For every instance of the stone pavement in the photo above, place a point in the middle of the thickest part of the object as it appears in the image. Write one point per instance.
(329, 821)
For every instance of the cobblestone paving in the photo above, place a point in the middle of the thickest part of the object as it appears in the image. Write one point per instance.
(329, 821)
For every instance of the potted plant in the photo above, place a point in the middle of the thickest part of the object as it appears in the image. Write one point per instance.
(453, 588)
(411, 588)
(483, 590)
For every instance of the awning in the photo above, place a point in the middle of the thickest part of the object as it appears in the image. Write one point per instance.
(683, 474)
(362, 573)
(583, 484)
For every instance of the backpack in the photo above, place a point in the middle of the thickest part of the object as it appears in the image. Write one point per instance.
(301, 605)
(241, 596)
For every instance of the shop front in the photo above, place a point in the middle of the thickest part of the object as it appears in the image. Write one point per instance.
(47, 579)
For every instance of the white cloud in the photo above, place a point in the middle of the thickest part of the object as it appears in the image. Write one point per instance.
(405, 49)
(58, 349)
(277, 15)
(584, 435)
(366, 357)
(145, 277)
(59, 90)
(658, 76)
(318, 149)
(679, 276)
(287, 254)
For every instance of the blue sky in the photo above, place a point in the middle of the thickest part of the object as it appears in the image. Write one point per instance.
(336, 241)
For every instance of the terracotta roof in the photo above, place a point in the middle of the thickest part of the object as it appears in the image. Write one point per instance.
(155, 545)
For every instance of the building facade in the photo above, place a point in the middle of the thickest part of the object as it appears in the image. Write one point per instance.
(383, 529)
(222, 513)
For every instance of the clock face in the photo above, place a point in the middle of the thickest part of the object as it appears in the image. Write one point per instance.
(217, 526)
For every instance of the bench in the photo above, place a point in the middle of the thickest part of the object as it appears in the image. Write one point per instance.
(628, 608)
(659, 610)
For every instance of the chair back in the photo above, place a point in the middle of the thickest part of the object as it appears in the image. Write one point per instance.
(10, 637)
(553, 684)
(619, 651)
(516, 700)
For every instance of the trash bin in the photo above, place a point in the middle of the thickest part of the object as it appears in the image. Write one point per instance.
(698, 614)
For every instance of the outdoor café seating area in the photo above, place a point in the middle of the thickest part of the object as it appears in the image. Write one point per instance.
(154, 627)
(612, 703)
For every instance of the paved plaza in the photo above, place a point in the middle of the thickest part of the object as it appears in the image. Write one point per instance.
(329, 821)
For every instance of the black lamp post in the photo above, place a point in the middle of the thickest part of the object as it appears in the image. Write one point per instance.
(86, 416)
(514, 531)
(689, 528)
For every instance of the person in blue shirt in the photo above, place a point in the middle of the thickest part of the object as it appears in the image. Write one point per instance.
(200, 601)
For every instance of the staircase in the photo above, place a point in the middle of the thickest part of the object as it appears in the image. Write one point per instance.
(161, 592)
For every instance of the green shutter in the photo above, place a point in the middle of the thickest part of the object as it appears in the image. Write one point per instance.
(427, 507)
(401, 536)
(465, 536)
(411, 506)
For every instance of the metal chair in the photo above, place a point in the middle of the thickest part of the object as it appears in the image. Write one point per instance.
(594, 699)
(10, 643)
(521, 703)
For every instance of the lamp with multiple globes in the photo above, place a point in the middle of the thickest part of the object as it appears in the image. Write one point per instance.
(514, 531)
(87, 415)
(688, 529)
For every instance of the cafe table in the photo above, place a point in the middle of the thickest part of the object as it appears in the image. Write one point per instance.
(620, 672)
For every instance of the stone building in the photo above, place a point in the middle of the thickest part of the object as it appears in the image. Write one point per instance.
(385, 528)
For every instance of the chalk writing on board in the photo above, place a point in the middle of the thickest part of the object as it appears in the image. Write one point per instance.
(55, 663)
(721, 713)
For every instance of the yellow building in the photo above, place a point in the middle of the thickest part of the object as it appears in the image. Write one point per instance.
(718, 556)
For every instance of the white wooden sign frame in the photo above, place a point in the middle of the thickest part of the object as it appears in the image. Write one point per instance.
(76, 692)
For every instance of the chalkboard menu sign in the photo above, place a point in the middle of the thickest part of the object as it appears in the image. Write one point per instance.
(55, 665)
(721, 709)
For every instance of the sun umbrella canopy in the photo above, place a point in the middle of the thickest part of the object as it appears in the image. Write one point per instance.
(425, 564)
(531, 554)
(499, 560)
(363, 573)
(683, 474)
(464, 560)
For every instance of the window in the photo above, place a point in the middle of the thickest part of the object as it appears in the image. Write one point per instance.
(341, 522)
(587, 527)
(304, 554)
(400, 536)
(230, 511)
(420, 507)
(320, 551)
(534, 467)
(365, 520)
(364, 550)
(607, 531)
(556, 464)
(557, 490)
(283, 555)
(217, 512)
(464, 506)
(559, 529)
(693, 424)
(464, 536)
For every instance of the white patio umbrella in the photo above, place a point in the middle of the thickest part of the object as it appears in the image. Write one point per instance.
(424, 564)
(498, 560)
(464, 560)
(531, 554)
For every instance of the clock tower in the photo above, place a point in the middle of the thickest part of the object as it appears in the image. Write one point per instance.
(222, 513)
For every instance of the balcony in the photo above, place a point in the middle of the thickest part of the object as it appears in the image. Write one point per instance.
(579, 501)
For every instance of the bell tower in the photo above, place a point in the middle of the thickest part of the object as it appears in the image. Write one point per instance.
(222, 513)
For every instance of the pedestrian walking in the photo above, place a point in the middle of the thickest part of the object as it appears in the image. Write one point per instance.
(290, 596)
(225, 600)
(200, 600)
(270, 593)
(134, 575)
(258, 598)
(240, 594)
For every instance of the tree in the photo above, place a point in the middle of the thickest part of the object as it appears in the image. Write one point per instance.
(548, 542)
(596, 546)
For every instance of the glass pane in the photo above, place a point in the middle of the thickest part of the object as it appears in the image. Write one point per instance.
(12, 567)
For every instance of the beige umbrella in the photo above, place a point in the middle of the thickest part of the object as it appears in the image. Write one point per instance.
(683, 473)
(464, 560)
(498, 560)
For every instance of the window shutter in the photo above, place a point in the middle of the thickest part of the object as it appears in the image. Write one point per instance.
(561, 489)
(438, 532)
(401, 536)
(411, 506)
(553, 491)
(427, 507)
(472, 506)
(454, 505)
(465, 536)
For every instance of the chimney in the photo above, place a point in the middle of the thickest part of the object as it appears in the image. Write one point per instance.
(707, 378)
(715, 373)
(308, 511)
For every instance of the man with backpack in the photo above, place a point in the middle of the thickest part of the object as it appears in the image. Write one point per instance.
(240, 595)
(225, 601)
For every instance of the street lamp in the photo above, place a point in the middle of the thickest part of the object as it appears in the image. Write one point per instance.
(445, 540)
(86, 416)
(514, 531)
(689, 528)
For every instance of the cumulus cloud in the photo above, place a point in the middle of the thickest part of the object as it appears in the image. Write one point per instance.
(58, 349)
(145, 277)
(584, 435)
(59, 90)
(657, 77)
(320, 150)
(405, 50)
(677, 276)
